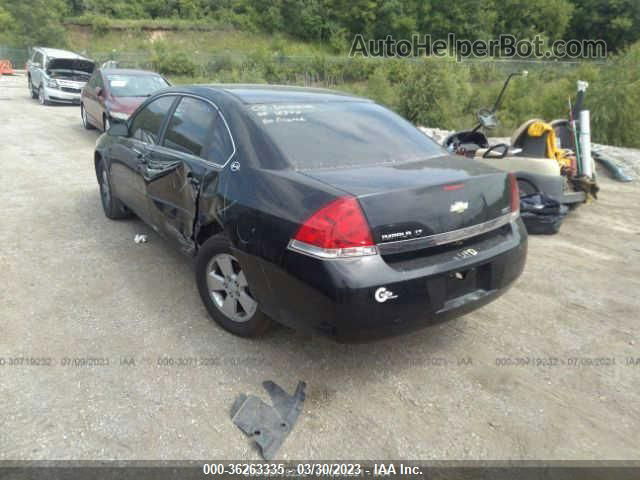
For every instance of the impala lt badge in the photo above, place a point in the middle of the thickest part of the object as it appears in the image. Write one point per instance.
(459, 207)
(467, 253)
(382, 295)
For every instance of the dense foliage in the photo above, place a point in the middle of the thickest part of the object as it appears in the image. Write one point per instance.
(335, 22)
(296, 41)
(32, 22)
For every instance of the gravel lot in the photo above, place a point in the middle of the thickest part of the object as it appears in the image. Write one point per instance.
(75, 285)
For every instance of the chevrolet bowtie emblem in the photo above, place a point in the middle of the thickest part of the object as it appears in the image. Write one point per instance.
(459, 207)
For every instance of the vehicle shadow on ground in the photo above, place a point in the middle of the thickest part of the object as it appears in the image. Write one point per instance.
(282, 353)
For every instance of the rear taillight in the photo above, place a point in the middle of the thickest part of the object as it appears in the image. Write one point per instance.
(337, 230)
(515, 193)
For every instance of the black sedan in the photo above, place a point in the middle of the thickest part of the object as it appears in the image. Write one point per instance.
(316, 209)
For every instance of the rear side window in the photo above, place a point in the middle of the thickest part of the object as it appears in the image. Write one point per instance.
(342, 134)
(220, 145)
(197, 128)
(147, 123)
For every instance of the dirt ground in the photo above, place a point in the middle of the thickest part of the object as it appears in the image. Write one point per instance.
(549, 371)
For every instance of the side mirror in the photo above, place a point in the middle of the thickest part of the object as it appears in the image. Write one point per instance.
(99, 91)
(118, 129)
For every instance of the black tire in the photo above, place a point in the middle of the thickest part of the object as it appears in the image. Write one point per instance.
(41, 98)
(33, 93)
(112, 206)
(252, 325)
(85, 120)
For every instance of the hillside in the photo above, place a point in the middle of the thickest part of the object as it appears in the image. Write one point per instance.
(143, 36)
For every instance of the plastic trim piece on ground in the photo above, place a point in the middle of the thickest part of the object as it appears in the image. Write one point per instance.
(268, 425)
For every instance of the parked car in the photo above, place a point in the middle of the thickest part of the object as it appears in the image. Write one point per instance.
(316, 209)
(113, 94)
(57, 76)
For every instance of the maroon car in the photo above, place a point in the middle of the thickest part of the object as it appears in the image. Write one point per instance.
(114, 93)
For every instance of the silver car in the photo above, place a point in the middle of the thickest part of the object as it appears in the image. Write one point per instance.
(57, 76)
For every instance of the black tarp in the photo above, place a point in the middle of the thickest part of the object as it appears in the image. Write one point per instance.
(542, 215)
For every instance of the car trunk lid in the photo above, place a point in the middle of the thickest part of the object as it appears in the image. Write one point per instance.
(424, 200)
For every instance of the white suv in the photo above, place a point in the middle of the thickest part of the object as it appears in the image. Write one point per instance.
(57, 75)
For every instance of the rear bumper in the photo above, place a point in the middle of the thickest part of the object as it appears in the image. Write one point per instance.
(377, 296)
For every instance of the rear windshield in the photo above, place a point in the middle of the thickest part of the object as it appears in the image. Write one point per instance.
(123, 85)
(342, 134)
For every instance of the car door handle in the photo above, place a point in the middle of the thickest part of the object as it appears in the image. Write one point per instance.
(193, 179)
(141, 155)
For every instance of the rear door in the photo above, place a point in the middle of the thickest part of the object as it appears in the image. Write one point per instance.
(196, 143)
(93, 104)
(89, 98)
(130, 155)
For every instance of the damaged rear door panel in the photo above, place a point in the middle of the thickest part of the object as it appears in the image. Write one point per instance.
(195, 145)
(172, 181)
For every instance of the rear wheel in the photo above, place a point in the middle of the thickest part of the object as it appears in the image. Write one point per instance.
(85, 120)
(112, 206)
(225, 292)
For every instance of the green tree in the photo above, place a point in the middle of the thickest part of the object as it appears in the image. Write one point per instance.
(37, 22)
(525, 19)
(614, 100)
(615, 21)
(5, 20)
(467, 19)
(117, 8)
(435, 93)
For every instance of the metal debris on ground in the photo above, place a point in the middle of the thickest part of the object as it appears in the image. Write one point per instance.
(268, 425)
(615, 169)
(140, 238)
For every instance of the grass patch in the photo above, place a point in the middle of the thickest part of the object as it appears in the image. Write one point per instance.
(175, 24)
(207, 39)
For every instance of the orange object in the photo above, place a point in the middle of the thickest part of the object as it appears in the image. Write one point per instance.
(6, 68)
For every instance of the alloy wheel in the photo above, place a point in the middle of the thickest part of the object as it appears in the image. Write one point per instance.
(105, 190)
(107, 123)
(228, 288)
(41, 98)
(83, 114)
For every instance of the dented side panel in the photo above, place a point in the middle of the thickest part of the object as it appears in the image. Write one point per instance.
(172, 182)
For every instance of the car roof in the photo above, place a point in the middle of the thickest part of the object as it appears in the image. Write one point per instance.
(57, 53)
(127, 71)
(262, 93)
